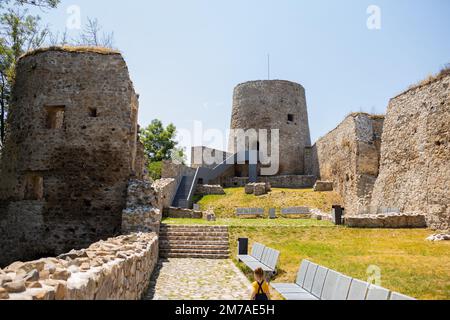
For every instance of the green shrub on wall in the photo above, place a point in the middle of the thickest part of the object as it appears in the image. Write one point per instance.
(155, 170)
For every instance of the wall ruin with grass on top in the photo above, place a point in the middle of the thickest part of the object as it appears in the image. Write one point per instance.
(415, 156)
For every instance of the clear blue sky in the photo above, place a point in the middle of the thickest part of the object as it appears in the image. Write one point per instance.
(185, 57)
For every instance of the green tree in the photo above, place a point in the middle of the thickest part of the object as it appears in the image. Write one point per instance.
(19, 32)
(160, 144)
(36, 3)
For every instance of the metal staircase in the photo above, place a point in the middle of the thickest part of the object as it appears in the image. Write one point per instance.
(188, 184)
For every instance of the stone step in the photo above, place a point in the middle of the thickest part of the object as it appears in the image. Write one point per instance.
(196, 228)
(193, 234)
(180, 246)
(195, 251)
(191, 238)
(194, 242)
(194, 256)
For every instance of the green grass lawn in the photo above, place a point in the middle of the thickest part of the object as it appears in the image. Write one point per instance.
(409, 264)
(225, 205)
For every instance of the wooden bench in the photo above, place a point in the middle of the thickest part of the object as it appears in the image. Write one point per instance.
(253, 212)
(315, 282)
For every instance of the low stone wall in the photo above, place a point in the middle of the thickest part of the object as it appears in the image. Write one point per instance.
(387, 221)
(205, 190)
(321, 216)
(179, 213)
(117, 269)
(294, 182)
(142, 213)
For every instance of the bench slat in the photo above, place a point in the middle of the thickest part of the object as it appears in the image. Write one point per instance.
(377, 293)
(310, 275)
(319, 281)
(358, 290)
(301, 275)
(330, 285)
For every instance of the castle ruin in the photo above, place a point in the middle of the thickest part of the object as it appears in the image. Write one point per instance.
(71, 148)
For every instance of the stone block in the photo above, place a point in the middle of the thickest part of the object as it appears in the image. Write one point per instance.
(323, 186)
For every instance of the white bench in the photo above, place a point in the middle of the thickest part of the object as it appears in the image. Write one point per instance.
(315, 282)
(258, 212)
(299, 211)
(261, 257)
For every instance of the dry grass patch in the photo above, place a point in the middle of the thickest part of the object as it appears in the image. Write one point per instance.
(225, 205)
(76, 49)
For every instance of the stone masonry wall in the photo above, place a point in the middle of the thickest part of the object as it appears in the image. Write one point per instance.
(116, 269)
(349, 157)
(166, 189)
(171, 170)
(415, 165)
(205, 190)
(70, 150)
(294, 182)
(142, 213)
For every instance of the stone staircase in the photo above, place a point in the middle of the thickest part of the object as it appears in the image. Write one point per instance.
(201, 242)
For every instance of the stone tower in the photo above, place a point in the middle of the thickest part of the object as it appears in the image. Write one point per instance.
(70, 151)
(275, 104)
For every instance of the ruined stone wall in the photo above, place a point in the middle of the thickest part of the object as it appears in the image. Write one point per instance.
(205, 190)
(142, 213)
(349, 157)
(117, 269)
(294, 182)
(415, 165)
(274, 105)
(71, 147)
(207, 157)
(171, 170)
(166, 189)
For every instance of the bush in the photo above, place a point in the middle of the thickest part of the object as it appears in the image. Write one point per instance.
(155, 170)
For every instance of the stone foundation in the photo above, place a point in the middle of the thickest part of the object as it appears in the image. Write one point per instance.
(290, 182)
(117, 269)
(323, 186)
(179, 213)
(258, 189)
(439, 237)
(393, 221)
(205, 190)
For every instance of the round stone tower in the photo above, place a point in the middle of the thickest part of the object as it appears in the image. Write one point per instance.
(70, 151)
(275, 104)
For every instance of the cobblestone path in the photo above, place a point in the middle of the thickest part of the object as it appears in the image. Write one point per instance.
(198, 279)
